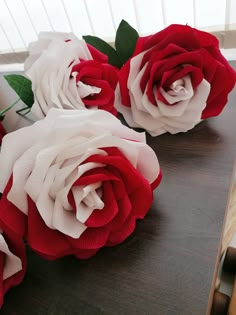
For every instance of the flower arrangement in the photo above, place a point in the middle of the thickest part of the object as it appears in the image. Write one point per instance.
(77, 179)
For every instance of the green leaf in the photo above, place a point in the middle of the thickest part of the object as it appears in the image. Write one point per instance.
(22, 86)
(105, 48)
(125, 42)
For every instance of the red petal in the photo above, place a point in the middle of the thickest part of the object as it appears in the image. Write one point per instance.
(181, 35)
(11, 218)
(104, 97)
(91, 238)
(126, 230)
(2, 132)
(95, 175)
(97, 55)
(86, 253)
(130, 176)
(157, 181)
(2, 261)
(47, 242)
(125, 208)
(87, 69)
(17, 247)
(110, 74)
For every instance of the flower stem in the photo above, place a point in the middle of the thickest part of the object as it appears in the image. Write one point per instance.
(9, 107)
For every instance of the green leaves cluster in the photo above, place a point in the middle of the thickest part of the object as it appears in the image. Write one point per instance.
(125, 42)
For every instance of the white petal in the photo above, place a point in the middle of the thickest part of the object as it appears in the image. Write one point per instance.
(42, 165)
(86, 200)
(65, 221)
(136, 93)
(105, 122)
(124, 110)
(21, 170)
(86, 90)
(16, 143)
(135, 68)
(181, 100)
(69, 94)
(49, 70)
(12, 263)
(192, 115)
(45, 204)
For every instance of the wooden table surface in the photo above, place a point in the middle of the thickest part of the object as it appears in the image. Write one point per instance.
(167, 265)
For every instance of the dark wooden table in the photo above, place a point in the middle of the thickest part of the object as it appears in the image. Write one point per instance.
(167, 265)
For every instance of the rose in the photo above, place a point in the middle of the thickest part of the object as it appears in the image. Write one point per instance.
(2, 132)
(66, 73)
(174, 79)
(12, 260)
(81, 178)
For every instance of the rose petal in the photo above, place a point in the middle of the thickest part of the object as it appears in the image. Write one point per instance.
(117, 237)
(86, 90)
(101, 217)
(12, 263)
(49, 243)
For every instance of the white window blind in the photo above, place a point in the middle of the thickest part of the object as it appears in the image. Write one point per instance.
(22, 20)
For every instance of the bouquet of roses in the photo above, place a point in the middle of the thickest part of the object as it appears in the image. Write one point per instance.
(77, 179)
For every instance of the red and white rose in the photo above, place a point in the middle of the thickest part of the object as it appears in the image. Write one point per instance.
(81, 179)
(67, 73)
(175, 78)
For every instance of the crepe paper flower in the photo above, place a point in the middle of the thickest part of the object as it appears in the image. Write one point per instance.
(175, 78)
(80, 178)
(67, 73)
(12, 261)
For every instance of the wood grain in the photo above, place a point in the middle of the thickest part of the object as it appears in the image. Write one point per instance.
(230, 224)
(232, 305)
(168, 265)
